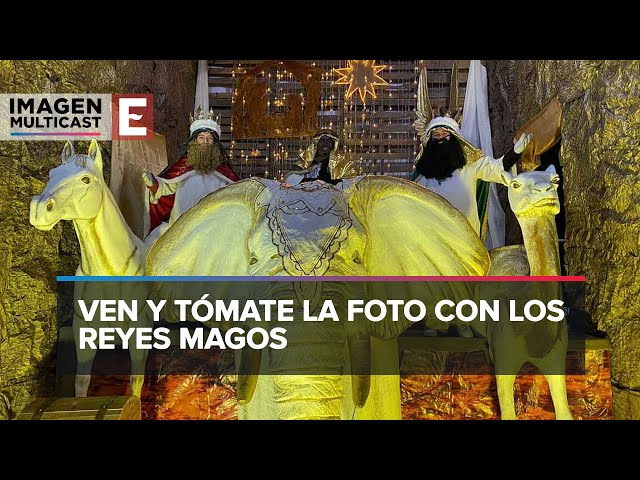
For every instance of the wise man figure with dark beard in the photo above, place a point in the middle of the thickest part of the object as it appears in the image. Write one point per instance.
(202, 168)
(451, 167)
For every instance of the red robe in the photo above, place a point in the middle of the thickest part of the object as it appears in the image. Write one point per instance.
(161, 211)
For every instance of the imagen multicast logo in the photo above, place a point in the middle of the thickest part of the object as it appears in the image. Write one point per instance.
(76, 116)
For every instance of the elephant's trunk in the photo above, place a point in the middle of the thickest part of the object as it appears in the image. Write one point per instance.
(308, 374)
(308, 397)
(322, 362)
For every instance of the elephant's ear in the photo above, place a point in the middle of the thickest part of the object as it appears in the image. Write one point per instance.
(411, 231)
(211, 237)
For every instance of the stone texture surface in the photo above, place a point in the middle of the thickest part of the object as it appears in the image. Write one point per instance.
(626, 403)
(600, 157)
(30, 259)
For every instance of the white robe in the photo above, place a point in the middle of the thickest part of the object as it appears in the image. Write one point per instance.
(460, 188)
(295, 177)
(189, 189)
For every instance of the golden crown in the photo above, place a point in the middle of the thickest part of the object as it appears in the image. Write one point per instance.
(210, 122)
(425, 113)
(199, 115)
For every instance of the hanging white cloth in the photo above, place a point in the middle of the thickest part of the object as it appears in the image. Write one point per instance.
(202, 87)
(476, 128)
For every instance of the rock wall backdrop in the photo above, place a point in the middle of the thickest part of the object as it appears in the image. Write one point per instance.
(30, 259)
(600, 158)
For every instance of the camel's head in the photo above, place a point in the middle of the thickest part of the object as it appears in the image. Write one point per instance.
(74, 191)
(535, 193)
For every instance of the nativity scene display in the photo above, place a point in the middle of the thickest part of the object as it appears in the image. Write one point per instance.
(354, 168)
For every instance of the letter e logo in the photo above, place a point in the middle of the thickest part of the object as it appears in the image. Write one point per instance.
(132, 117)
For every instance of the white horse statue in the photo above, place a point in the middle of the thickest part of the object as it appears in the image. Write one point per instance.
(77, 191)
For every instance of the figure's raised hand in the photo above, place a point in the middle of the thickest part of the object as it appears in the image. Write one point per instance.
(522, 142)
(148, 179)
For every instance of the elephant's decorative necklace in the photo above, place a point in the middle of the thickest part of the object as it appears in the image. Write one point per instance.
(307, 229)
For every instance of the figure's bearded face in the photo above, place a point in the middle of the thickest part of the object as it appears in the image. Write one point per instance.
(204, 157)
(442, 155)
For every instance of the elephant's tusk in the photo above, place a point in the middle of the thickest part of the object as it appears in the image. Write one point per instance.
(360, 358)
(248, 369)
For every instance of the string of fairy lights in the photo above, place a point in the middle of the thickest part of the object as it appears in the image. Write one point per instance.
(376, 133)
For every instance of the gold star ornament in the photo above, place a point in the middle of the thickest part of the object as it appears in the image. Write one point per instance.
(361, 76)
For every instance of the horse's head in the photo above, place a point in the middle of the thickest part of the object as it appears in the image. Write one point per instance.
(74, 191)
